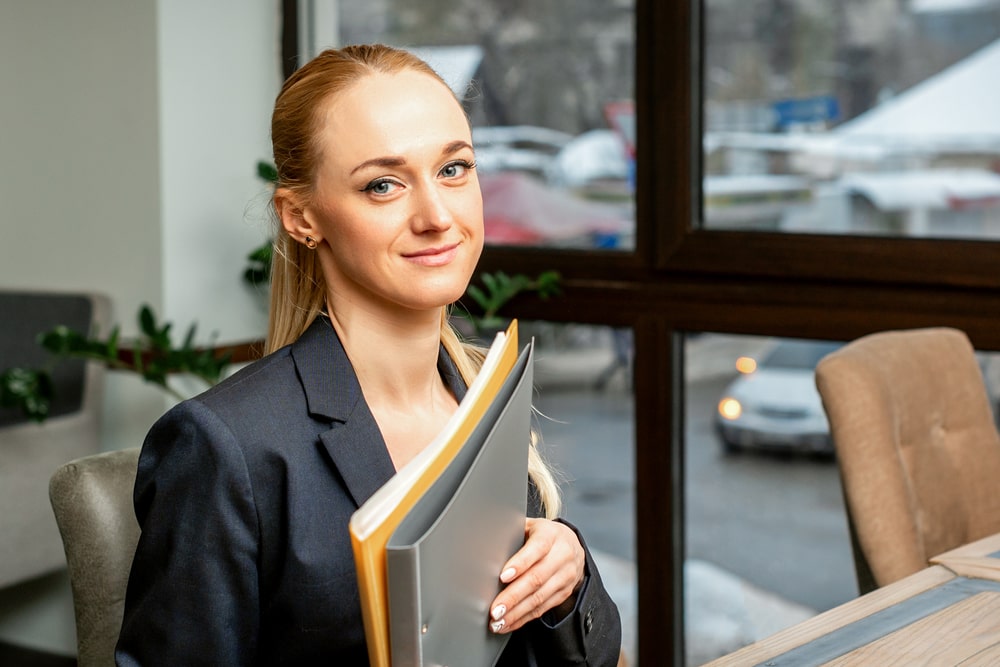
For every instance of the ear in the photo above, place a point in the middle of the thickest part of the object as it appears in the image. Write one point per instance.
(291, 211)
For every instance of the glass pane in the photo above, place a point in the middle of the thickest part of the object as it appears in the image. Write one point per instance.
(765, 525)
(586, 419)
(550, 101)
(852, 117)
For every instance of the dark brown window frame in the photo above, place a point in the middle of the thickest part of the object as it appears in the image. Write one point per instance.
(682, 278)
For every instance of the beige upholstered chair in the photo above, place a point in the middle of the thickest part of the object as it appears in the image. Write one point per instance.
(92, 501)
(917, 446)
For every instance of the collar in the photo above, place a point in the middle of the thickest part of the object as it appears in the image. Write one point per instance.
(328, 378)
(331, 386)
(333, 394)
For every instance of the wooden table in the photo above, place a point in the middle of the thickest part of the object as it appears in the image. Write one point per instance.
(946, 614)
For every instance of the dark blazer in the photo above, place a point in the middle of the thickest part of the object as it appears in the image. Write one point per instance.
(244, 494)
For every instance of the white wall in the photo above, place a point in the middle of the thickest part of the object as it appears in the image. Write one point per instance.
(79, 173)
(129, 135)
(219, 65)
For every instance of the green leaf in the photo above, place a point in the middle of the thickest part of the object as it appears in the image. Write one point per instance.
(154, 358)
(492, 282)
(112, 346)
(189, 339)
(28, 390)
(267, 171)
(36, 407)
(147, 321)
(16, 382)
(62, 340)
(548, 284)
(478, 296)
(256, 277)
(262, 253)
(499, 288)
(259, 271)
(163, 337)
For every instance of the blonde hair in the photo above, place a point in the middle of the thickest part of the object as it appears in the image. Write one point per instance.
(298, 289)
(468, 359)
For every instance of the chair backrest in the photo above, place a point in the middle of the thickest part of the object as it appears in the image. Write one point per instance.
(29, 452)
(92, 501)
(917, 447)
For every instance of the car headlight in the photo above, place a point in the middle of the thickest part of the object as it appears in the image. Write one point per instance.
(746, 365)
(730, 408)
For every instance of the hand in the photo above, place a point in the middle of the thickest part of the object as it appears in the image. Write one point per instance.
(544, 574)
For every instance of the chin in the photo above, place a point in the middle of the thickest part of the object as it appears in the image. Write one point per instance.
(430, 298)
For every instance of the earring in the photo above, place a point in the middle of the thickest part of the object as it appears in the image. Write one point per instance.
(311, 243)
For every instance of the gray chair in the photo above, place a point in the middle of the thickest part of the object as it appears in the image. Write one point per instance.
(92, 501)
(29, 452)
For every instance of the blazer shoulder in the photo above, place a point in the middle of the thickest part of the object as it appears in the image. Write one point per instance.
(254, 400)
(274, 367)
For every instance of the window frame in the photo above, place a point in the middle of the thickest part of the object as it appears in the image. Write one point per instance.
(682, 278)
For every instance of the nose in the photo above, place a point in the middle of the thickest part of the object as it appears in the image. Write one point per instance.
(431, 212)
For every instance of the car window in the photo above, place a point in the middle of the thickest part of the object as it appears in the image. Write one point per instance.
(798, 354)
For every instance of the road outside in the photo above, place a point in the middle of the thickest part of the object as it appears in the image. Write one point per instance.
(776, 523)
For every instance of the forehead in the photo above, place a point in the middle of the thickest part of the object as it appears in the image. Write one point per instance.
(391, 114)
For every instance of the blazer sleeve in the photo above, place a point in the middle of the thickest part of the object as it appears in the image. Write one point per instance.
(192, 595)
(589, 635)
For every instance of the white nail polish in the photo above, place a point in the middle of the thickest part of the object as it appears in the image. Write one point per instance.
(498, 612)
(497, 626)
(508, 574)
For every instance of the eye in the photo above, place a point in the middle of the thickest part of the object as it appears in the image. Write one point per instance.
(381, 186)
(456, 169)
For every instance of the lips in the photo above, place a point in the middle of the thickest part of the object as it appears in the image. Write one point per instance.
(436, 256)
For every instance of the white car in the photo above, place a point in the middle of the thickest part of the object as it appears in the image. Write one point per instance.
(773, 404)
(523, 148)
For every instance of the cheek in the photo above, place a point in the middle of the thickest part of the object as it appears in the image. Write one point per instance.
(472, 212)
(474, 222)
(345, 228)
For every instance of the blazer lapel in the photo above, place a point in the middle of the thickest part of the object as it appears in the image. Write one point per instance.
(333, 394)
(359, 454)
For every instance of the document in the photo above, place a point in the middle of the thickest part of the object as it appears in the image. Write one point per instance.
(374, 523)
(445, 557)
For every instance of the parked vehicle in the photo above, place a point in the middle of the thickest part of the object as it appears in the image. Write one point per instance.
(523, 148)
(773, 404)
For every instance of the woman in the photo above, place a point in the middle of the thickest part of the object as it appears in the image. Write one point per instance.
(244, 493)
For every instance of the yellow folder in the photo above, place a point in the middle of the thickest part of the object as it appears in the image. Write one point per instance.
(373, 523)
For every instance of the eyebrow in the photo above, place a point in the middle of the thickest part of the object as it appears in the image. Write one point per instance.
(396, 161)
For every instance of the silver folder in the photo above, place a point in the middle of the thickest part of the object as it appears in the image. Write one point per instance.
(444, 559)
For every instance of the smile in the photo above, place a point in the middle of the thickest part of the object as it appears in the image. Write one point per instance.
(437, 256)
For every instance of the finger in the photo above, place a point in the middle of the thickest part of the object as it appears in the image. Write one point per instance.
(536, 547)
(529, 554)
(550, 594)
(548, 582)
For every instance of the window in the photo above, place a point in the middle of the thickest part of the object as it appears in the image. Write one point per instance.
(766, 536)
(686, 274)
(869, 118)
(550, 101)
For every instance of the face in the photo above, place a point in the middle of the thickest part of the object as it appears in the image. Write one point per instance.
(397, 206)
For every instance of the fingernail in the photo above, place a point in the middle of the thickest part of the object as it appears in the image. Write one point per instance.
(507, 574)
(497, 626)
(498, 612)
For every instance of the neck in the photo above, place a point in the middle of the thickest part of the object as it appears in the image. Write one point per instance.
(395, 357)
